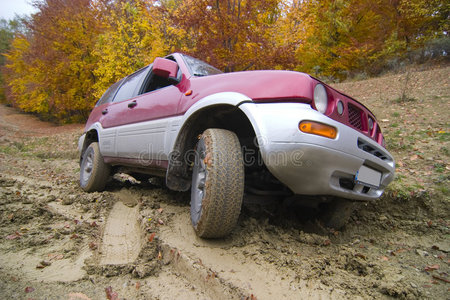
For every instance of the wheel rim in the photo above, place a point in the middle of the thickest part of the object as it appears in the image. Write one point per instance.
(87, 166)
(199, 174)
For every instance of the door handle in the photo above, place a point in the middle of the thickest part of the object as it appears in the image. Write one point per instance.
(132, 104)
(105, 111)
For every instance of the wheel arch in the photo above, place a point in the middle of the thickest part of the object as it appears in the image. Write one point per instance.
(91, 136)
(223, 115)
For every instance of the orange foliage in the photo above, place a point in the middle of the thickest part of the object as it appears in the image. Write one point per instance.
(75, 49)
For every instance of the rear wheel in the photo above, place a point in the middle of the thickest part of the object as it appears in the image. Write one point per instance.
(217, 183)
(94, 173)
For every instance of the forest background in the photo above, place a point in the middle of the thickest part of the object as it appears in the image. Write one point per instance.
(57, 62)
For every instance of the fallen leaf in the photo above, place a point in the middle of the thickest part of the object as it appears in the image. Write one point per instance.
(55, 256)
(159, 255)
(432, 268)
(151, 237)
(110, 295)
(93, 246)
(160, 210)
(14, 236)
(160, 222)
(29, 289)
(327, 242)
(138, 285)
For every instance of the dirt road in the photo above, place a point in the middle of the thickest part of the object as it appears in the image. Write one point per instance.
(135, 241)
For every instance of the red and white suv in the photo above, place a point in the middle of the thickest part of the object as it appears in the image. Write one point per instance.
(269, 133)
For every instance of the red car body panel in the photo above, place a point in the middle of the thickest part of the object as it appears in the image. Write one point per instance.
(260, 86)
(154, 105)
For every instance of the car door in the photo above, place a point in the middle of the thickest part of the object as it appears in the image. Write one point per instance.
(147, 119)
(113, 114)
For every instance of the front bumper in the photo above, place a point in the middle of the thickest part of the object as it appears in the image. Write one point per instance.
(313, 165)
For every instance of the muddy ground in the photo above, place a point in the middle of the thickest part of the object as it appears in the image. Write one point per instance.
(134, 241)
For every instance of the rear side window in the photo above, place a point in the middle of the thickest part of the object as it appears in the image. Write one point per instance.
(109, 94)
(128, 88)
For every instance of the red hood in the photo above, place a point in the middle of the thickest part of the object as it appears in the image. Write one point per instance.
(260, 86)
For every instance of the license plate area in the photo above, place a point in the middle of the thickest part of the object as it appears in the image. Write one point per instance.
(368, 176)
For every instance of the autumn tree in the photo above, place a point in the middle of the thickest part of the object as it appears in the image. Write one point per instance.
(72, 50)
(131, 39)
(58, 60)
(336, 37)
(7, 31)
(231, 34)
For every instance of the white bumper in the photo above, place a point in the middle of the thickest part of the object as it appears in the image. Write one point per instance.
(314, 165)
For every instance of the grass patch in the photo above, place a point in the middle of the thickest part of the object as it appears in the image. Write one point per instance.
(439, 168)
(9, 149)
(405, 99)
(443, 189)
(444, 136)
(41, 148)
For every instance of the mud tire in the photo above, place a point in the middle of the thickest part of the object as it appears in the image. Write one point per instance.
(338, 212)
(217, 183)
(94, 173)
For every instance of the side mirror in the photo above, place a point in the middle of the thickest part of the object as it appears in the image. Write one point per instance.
(165, 68)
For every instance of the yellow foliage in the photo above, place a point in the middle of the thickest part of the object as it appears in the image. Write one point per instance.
(75, 49)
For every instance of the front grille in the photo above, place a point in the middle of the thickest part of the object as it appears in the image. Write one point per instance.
(354, 116)
(365, 146)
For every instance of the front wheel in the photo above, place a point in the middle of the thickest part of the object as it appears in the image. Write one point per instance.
(217, 183)
(94, 173)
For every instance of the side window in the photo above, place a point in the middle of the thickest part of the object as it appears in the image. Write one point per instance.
(126, 90)
(109, 94)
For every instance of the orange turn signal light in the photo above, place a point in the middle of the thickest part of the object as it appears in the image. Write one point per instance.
(318, 129)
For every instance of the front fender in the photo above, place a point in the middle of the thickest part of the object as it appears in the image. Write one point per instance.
(230, 98)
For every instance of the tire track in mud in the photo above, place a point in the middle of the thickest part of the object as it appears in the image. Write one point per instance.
(226, 272)
(121, 242)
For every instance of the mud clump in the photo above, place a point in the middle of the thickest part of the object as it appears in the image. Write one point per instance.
(400, 291)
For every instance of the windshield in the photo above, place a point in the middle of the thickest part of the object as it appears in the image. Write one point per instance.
(200, 68)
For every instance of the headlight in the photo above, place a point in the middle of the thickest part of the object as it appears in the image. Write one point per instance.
(340, 107)
(370, 124)
(320, 98)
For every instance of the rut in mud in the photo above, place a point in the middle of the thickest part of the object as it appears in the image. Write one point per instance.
(121, 242)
